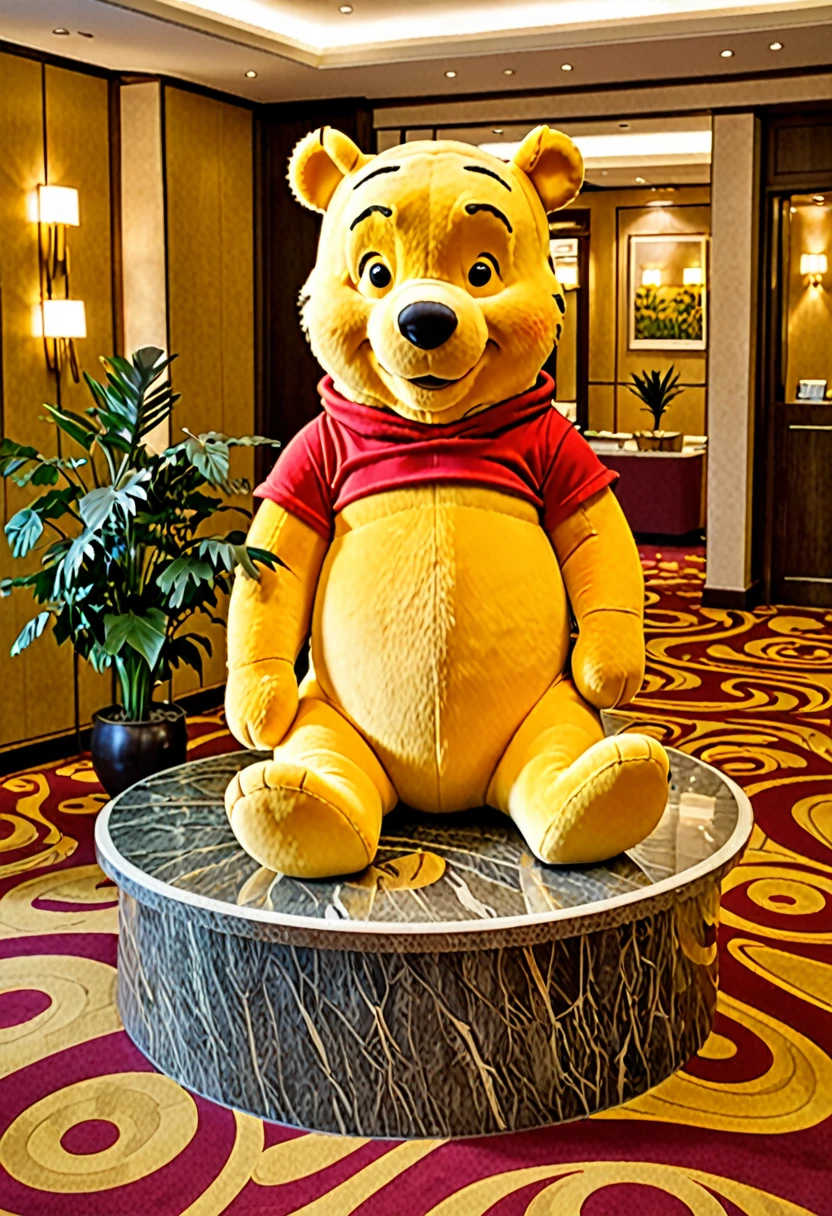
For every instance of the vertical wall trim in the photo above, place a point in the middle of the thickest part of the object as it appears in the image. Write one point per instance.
(163, 135)
(259, 177)
(735, 200)
(164, 138)
(43, 122)
(116, 245)
(2, 395)
(617, 326)
(220, 260)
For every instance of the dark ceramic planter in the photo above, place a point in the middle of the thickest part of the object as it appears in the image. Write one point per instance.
(126, 752)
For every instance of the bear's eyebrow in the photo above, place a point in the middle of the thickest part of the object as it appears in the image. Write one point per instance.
(473, 208)
(375, 173)
(488, 173)
(368, 211)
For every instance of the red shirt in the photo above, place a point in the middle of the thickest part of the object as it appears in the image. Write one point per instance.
(523, 446)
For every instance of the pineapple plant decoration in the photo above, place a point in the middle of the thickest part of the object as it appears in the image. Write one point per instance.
(657, 392)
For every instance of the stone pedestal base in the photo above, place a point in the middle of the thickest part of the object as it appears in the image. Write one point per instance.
(457, 987)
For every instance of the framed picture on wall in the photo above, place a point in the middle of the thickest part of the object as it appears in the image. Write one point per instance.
(667, 292)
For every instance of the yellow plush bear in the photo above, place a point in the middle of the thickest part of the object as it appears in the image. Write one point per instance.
(436, 522)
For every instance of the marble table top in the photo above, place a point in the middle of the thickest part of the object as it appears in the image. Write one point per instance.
(168, 838)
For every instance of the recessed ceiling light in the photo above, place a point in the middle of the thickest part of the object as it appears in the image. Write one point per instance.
(61, 32)
(639, 181)
(775, 46)
(251, 74)
(792, 209)
(346, 9)
(450, 75)
(496, 130)
(604, 172)
(566, 67)
(727, 54)
(508, 71)
(85, 34)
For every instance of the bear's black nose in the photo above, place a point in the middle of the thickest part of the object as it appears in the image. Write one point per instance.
(427, 324)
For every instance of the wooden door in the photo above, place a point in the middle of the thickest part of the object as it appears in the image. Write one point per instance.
(802, 566)
(794, 453)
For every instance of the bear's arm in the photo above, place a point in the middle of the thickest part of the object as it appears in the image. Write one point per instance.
(605, 583)
(268, 621)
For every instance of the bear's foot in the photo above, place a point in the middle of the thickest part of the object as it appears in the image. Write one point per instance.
(302, 822)
(605, 801)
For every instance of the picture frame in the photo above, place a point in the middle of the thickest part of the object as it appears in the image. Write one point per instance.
(667, 291)
(811, 390)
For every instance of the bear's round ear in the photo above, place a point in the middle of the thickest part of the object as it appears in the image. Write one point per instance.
(319, 163)
(553, 164)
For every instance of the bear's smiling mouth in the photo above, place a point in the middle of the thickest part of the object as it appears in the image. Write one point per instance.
(432, 382)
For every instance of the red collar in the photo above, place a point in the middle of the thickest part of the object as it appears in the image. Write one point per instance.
(382, 423)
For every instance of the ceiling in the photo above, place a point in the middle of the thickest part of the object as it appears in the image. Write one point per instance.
(386, 49)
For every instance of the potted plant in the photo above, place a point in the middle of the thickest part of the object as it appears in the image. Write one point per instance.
(125, 561)
(657, 392)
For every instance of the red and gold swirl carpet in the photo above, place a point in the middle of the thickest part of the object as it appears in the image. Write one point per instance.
(87, 1128)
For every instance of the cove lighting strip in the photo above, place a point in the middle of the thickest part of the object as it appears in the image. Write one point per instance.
(601, 149)
(281, 20)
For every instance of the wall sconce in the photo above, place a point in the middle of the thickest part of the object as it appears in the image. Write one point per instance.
(815, 266)
(59, 323)
(565, 257)
(692, 276)
(59, 320)
(651, 278)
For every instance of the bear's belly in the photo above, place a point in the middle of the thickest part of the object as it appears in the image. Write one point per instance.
(440, 620)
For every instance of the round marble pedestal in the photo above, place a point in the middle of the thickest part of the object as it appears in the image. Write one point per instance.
(455, 988)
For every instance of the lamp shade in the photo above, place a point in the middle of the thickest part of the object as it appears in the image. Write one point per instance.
(692, 276)
(564, 253)
(651, 278)
(813, 263)
(64, 319)
(567, 272)
(58, 205)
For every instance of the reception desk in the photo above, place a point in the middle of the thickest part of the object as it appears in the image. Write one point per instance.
(661, 493)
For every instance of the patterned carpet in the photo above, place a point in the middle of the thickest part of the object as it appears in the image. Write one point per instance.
(88, 1129)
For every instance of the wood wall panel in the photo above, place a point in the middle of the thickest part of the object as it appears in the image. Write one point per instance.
(61, 115)
(615, 216)
(602, 407)
(686, 414)
(78, 154)
(209, 173)
(26, 384)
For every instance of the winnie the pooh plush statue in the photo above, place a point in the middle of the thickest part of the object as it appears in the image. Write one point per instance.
(435, 523)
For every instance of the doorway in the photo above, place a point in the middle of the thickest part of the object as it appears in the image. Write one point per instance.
(800, 399)
(794, 453)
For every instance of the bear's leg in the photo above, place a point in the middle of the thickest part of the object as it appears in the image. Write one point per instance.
(315, 810)
(576, 796)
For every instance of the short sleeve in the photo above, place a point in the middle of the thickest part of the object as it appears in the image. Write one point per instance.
(299, 482)
(574, 474)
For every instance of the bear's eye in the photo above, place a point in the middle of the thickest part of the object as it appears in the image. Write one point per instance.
(380, 276)
(479, 274)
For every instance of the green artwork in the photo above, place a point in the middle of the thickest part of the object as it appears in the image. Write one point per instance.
(668, 314)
